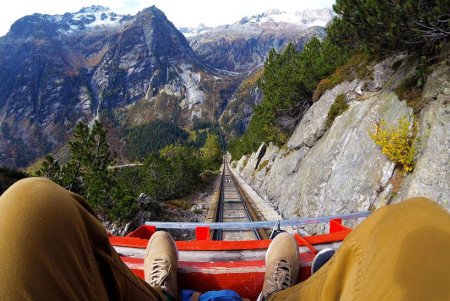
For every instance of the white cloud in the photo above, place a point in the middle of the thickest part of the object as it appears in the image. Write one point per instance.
(180, 12)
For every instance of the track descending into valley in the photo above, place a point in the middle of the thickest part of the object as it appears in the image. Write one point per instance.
(234, 207)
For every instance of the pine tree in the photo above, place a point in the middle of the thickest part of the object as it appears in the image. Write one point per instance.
(87, 174)
(87, 171)
(72, 171)
(50, 169)
(97, 158)
(382, 26)
(211, 153)
(286, 96)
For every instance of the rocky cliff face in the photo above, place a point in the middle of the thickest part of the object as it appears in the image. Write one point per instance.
(244, 45)
(238, 112)
(340, 169)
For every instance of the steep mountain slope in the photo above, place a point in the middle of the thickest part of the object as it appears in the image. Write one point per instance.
(243, 46)
(57, 70)
(239, 110)
(339, 169)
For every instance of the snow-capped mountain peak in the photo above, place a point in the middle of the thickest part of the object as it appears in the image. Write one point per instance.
(94, 9)
(269, 19)
(224, 46)
(190, 32)
(93, 16)
(306, 18)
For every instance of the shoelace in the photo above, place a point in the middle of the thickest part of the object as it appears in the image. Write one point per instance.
(160, 270)
(280, 278)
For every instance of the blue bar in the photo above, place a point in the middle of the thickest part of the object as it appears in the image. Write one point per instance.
(262, 224)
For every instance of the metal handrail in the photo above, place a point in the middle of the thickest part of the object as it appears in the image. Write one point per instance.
(262, 224)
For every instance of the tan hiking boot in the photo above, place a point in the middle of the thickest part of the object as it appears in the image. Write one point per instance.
(282, 264)
(160, 263)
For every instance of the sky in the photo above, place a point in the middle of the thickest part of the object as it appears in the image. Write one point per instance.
(183, 13)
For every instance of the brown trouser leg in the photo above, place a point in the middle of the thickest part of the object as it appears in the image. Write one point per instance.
(53, 247)
(401, 252)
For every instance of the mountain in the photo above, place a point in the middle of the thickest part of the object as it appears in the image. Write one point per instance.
(87, 18)
(239, 110)
(244, 45)
(58, 70)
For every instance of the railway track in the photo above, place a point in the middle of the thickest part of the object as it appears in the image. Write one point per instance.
(233, 207)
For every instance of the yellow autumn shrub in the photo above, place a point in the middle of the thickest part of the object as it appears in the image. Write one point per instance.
(397, 142)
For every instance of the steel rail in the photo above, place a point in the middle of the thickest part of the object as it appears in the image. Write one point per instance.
(228, 183)
(218, 233)
(242, 198)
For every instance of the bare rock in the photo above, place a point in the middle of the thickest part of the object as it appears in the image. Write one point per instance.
(312, 126)
(431, 177)
(382, 72)
(197, 207)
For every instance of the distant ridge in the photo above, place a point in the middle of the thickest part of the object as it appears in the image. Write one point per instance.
(243, 45)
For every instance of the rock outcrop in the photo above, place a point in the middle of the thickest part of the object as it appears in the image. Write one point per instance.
(239, 110)
(431, 177)
(324, 171)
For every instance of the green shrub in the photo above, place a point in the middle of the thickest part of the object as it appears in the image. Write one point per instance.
(124, 208)
(398, 143)
(356, 66)
(383, 27)
(337, 108)
(211, 153)
(262, 165)
(172, 173)
(411, 88)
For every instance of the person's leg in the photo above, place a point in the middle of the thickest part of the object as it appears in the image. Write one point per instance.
(400, 252)
(53, 247)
